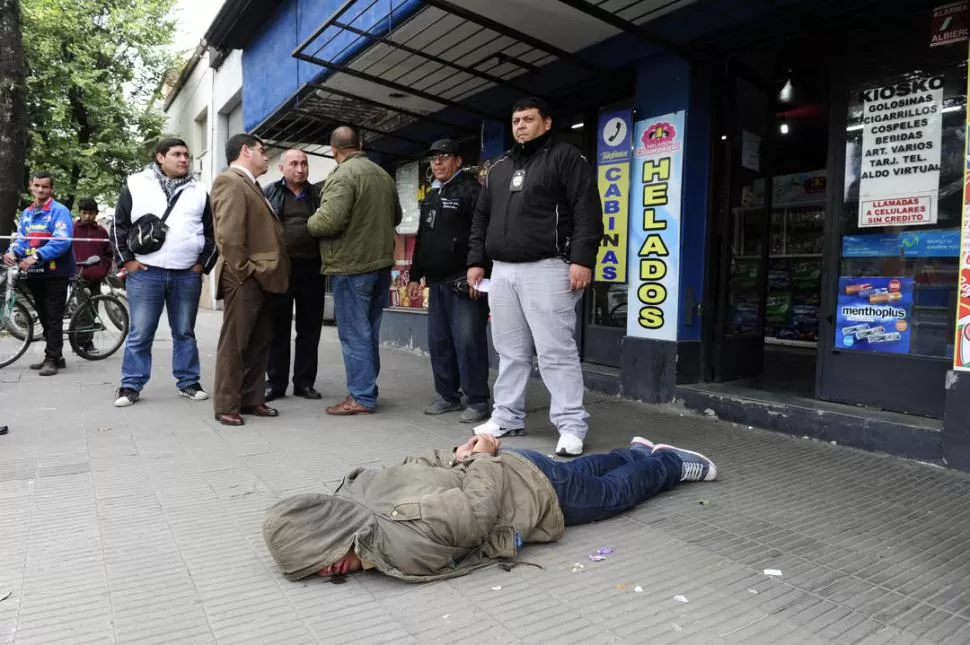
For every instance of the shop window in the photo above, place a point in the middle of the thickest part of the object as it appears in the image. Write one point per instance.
(413, 183)
(902, 204)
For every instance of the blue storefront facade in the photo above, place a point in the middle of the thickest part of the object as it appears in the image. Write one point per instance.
(733, 150)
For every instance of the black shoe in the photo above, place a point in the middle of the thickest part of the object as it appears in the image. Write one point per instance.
(272, 395)
(307, 393)
(60, 363)
(49, 368)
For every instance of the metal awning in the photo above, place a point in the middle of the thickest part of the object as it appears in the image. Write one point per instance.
(388, 64)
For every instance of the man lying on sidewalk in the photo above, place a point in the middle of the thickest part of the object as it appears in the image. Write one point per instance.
(444, 514)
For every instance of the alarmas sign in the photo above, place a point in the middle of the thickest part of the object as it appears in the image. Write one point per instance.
(654, 251)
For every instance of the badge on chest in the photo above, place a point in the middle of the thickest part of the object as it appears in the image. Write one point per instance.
(518, 181)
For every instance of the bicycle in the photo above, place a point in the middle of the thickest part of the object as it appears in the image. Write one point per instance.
(113, 284)
(98, 324)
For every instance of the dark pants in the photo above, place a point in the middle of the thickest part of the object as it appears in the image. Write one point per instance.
(243, 351)
(85, 317)
(597, 487)
(306, 291)
(50, 300)
(358, 302)
(458, 345)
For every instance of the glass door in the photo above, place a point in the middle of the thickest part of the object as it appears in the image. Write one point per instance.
(742, 227)
(891, 282)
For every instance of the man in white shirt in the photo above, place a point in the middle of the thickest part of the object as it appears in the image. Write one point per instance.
(168, 278)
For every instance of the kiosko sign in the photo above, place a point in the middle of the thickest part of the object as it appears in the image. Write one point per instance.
(902, 130)
(613, 171)
(655, 228)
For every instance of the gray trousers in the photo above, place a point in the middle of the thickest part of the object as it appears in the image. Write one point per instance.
(533, 306)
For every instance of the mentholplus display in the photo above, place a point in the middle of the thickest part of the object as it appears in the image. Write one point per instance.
(874, 314)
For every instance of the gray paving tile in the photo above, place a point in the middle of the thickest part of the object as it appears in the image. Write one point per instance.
(142, 526)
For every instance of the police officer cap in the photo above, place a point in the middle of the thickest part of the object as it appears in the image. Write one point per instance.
(449, 146)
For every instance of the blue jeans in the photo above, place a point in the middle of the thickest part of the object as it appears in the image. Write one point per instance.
(178, 291)
(358, 303)
(458, 344)
(597, 487)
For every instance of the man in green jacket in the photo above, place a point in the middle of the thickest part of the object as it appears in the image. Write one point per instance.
(359, 209)
(445, 514)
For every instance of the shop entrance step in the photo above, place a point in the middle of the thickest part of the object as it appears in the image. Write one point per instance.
(874, 430)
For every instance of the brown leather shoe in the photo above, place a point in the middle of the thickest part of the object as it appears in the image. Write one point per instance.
(260, 411)
(230, 419)
(348, 407)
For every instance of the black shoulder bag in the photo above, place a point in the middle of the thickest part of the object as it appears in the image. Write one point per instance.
(147, 233)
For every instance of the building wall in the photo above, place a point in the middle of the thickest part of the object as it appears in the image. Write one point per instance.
(271, 72)
(189, 110)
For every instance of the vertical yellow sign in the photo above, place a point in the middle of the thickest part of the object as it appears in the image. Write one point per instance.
(613, 178)
(614, 182)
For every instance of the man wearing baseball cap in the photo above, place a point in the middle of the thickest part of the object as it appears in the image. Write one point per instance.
(456, 320)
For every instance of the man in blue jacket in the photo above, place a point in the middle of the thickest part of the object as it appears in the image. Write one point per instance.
(43, 249)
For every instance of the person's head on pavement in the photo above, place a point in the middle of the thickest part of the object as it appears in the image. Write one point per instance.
(445, 159)
(344, 141)
(295, 168)
(249, 152)
(172, 157)
(530, 119)
(316, 535)
(87, 211)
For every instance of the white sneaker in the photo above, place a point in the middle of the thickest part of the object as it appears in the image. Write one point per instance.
(494, 429)
(642, 444)
(126, 397)
(194, 392)
(569, 446)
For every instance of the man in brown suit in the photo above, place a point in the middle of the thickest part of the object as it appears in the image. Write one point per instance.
(253, 264)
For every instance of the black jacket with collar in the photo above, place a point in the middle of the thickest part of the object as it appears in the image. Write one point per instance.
(441, 250)
(274, 194)
(556, 212)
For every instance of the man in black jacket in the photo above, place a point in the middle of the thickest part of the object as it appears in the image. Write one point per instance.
(294, 201)
(540, 220)
(456, 318)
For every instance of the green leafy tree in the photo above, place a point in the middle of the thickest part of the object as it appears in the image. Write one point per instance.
(95, 73)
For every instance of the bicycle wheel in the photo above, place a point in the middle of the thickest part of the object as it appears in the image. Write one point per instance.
(118, 316)
(98, 328)
(27, 317)
(14, 340)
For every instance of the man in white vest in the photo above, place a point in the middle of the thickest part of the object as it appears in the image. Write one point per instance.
(169, 276)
